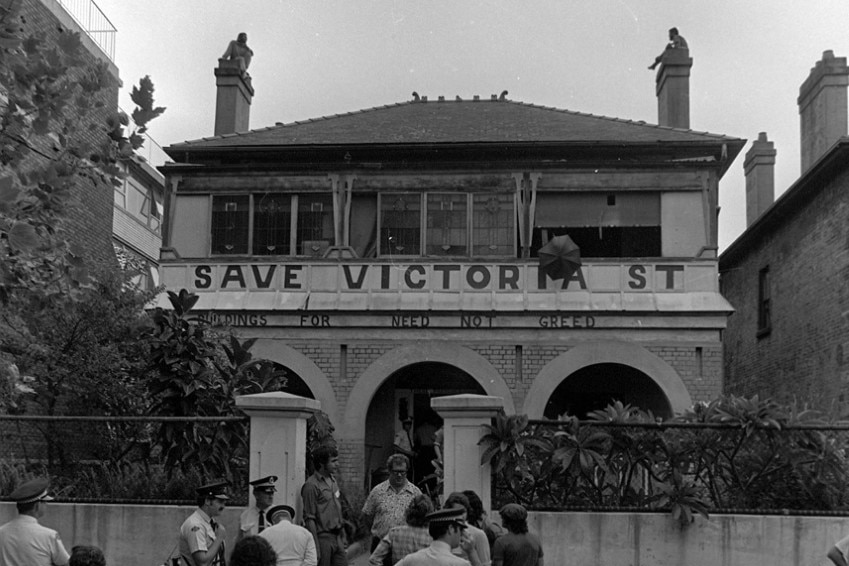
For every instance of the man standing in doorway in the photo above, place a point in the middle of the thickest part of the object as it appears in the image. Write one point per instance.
(252, 520)
(323, 510)
(386, 505)
(23, 542)
(201, 537)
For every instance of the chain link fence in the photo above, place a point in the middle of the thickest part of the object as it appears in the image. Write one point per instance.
(117, 459)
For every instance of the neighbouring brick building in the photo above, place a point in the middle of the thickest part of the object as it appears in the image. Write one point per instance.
(133, 230)
(390, 255)
(787, 274)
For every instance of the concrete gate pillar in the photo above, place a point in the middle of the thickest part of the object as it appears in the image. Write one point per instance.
(464, 419)
(278, 443)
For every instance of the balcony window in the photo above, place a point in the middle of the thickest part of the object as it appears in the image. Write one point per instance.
(314, 224)
(230, 216)
(615, 225)
(493, 218)
(447, 232)
(400, 224)
(272, 224)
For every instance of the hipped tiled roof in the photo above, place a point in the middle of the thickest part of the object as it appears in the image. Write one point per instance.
(456, 122)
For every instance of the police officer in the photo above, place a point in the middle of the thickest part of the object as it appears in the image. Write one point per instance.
(23, 542)
(201, 537)
(252, 520)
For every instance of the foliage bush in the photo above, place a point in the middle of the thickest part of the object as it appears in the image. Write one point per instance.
(733, 453)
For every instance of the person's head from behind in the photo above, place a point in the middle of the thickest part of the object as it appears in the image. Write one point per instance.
(418, 510)
(325, 459)
(457, 500)
(514, 517)
(87, 556)
(253, 551)
(447, 525)
(475, 507)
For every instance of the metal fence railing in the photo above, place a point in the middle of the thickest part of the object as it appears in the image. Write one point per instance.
(740, 468)
(94, 22)
(122, 459)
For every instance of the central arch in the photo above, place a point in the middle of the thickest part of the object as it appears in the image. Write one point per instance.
(354, 420)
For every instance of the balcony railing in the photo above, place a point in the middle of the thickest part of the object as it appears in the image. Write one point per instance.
(94, 22)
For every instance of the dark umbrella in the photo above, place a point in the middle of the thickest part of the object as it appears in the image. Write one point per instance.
(560, 257)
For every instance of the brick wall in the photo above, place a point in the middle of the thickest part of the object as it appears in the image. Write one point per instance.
(805, 356)
(700, 367)
(89, 222)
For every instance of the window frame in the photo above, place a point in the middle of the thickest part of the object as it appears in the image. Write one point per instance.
(764, 320)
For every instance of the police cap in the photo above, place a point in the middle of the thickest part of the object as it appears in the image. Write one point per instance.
(278, 509)
(453, 515)
(218, 490)
(31, 491)
(265, 484)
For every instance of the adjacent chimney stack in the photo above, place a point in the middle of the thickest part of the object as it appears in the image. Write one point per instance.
(233, 102)
(673, 89)
(822, 107)
(759, 167)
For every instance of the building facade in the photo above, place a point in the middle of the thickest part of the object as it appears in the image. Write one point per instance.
(389, 256)
(786, 274)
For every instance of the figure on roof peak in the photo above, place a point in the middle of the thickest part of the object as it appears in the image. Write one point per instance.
(238, 49)
(675, 42)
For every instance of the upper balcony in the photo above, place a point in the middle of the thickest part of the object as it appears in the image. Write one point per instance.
(94, 23)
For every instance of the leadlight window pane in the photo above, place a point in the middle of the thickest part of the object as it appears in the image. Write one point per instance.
(447, 228)
(493, 229)
(272, 224)
(400, 224)
(230, 224)
(315, 224)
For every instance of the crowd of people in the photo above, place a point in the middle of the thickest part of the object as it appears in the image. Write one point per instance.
(405, 528)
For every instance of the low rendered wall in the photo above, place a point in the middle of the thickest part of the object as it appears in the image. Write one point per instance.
(630, 539)
(135, 535)
(129, 535)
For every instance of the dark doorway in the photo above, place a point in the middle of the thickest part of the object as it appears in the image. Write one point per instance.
(596, 386)
(407, 393)
(294, 384)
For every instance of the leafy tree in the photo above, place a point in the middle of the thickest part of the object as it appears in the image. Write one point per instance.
(48, 107)
(193, 373)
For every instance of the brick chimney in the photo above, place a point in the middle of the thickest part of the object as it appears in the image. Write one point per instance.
(822, 107)
(759, 167)
(673, 89)
(233, 102)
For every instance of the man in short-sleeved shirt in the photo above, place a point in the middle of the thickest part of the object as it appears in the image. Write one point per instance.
(322, 509)
(23, 542)
(386, 505)
(201, 537)
(293, 545)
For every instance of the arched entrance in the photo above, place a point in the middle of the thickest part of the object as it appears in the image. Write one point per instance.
(595, 386)
(295, 384)
(406, 393)
(627, 354)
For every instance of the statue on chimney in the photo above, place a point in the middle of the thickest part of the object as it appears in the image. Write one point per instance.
(675, 42)
(238, 49)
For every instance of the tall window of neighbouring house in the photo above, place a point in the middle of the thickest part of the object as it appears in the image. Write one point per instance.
(230, 215)
(624, 224)
(400, 224)
(272, 224)
(764, 302)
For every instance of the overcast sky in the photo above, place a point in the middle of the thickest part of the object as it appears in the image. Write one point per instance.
(316, 58)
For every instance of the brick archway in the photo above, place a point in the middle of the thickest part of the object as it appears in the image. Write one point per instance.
(356, 407)
(625, 353)
(315, 379)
